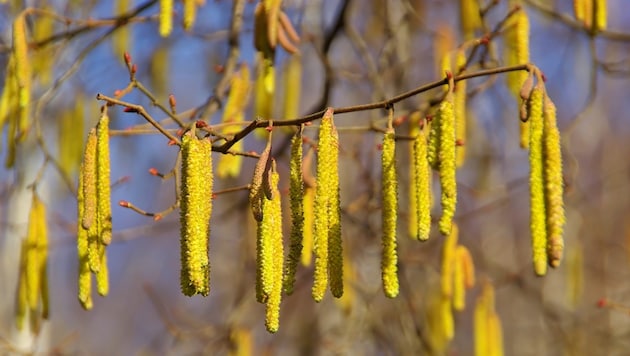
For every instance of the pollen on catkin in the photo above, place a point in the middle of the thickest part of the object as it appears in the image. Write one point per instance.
(195, 212)
(296, 193)
(272, 217)
(103, 181)
(85, 275)
(601, 15)
(325, 172)
(516, 49)
(536, 182)
(422, 186)
(446, 120)
(166, 17)
(389, 187)
(553, 184)
(269, 228)
(89, 220)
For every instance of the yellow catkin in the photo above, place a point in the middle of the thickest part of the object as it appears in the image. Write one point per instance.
(103, 181)
(36, 254)
(240, 342)
(292, 87)
(578, 9)
(553, 184)
(465, 259)
(265, 245)
(43, 28)
(488, 333)
(446, 120)
(70, 138)
(470, 18)
(309, 217)
(421, 184)
(274, 214)
(23, 74)
(459, 103)
(264, 89)
(195, 212)
(272, 10)
(190, 13)
(480, 327)
(90, 205)
(325, 172)
(335, 244)
(121, 38)
(166, 17)
(389, 187)
(463, 277)
(601, 15)
(495, 335)
(102, 277)
(536, 183)
(230, 165)
(443, 44)
(256, 186)
(296, 193)
(348, 300)
(159, 66)
(516, 49)
(448, 261)
(446, 316)
(85, 275)
(438, 317)
(414, 129)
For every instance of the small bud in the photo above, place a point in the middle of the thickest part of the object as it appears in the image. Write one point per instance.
(200, 123)
(602, 303)
(134, 68)
(123, 203)
(157, 217)
(117, 93)
(153, 172)
(131, 110)
(218, 68)
(127, 58)
(172, 102)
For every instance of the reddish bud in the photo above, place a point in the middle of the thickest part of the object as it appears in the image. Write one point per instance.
(117, 93)
(171, 143)
(171, 101)
(214, 196)
(180, 132)
(543, 76)
(127, 58)
(124, 179)
(602, 303)
(269, 128)
(379, 147)
(153, 172)
(200, 123)
(448, 74)
(134, 68)
(459, 142)
(429, 118)
(399, 120)
(128, 109)
(123, 203)
(218, 68)
(157, 217)
(485, 40)
(309, 123)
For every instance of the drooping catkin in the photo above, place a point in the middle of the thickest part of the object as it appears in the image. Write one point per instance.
(536, 182)
(103, 181)
(448, 261)
(516, 49)
(601, 15)
(230, 165)
(553, 184)
(102, 277)
(22, 71)
(43, 60)
(326, 170)
(22, 293)
(190, 13)
(36, 253)
(389, 187)
(488, 332)
(85, 275)
(195, 212)
(121, 38)
(583, 11)
(166, 17)
(264, 87)
(70, 138)
(421, 184)
(292, 87)
(309, 220)
(335, 244)
(470, 18)
(261, 171)
(446, 120)
(90, 205)
(296, 193)
(463, 277)
(273, 216)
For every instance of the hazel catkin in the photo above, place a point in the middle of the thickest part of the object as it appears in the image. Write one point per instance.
(195, 212)
(447, 164)
(389, 186)
(421, 182)
(296, 193)
(536, 182)
(103, 181)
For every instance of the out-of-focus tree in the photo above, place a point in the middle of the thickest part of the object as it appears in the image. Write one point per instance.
(424, 161)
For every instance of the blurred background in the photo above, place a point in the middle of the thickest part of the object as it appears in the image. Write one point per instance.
(352, 52)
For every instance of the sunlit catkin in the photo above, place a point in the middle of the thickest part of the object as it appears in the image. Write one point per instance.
(296, 193)
(448, 261)
(488, 332)
(583, 11)
(553, 184)
(446, 120)
(421, 186)
(85, 275)
(23, 75)
(309, 220)
(601, 14)
(103, 181)
(536, 182)
(335, 244)
(190, 13)
(470, 17)
(36, 253)
(326, 170)
(195, 212)
(230, 165)
(463, 276)
(89, 220)
(389, 188)
(272, 282)
(292, 87)
(166, 17)
(102, 277)
(516, 44)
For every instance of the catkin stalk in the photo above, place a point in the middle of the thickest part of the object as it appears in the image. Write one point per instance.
(553, 184)
(389, 184)
(536, 183)
(195, 212)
